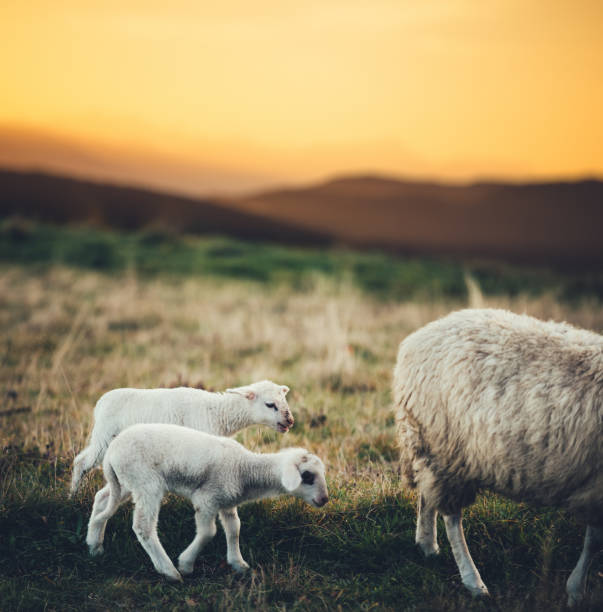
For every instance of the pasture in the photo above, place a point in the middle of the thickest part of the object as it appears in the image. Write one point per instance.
(83, 311)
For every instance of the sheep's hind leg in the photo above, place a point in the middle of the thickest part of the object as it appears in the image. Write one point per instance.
(205, 521)
(469, 574)
(427, 530)
(146, 515)
(232, 526)
(101, 513)
(593, 541)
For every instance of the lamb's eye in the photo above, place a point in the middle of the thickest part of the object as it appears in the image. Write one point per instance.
(307, 478)
(271, 405)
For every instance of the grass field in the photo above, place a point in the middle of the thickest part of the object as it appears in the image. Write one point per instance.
(83, 311)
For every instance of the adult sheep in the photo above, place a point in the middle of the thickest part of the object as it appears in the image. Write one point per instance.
(220, 414)
(490, 399)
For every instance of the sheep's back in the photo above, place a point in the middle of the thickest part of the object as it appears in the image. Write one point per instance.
(178, 458)
(505, 402)
(180, 406)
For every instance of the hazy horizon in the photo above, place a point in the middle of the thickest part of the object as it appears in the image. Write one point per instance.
(32, 152)
(234, 99)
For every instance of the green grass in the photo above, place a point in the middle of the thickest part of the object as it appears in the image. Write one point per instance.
(151, 310)
(357, 553)
(163, 253)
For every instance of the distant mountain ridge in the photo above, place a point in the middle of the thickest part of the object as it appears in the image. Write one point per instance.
(557, 221)
(58, 199)
(534, 222)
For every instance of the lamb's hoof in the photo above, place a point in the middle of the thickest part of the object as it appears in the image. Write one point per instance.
(428, 549)
(478, 591)
(574, 599)
(174, 576)
(239, 566)
(96, 549)
(185, 568)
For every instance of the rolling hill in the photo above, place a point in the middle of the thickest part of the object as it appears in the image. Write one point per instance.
(65, 200)
(558, 222)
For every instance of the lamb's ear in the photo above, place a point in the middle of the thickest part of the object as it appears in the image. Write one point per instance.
(290, 477)
(244, 391)
(284, 389)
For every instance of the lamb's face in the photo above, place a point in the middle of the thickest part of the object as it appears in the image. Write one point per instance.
(304, 477)
(268, 404)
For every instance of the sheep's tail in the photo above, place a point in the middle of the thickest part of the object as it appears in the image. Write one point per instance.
(410, 439)
(91, 457)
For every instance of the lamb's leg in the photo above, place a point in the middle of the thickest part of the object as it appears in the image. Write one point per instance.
(427, 527)
(103, 509)
(146, 515)
(100, 501)
(205, 521)
(469, 574)
(232, 526)
(593, 541)
(83, 462)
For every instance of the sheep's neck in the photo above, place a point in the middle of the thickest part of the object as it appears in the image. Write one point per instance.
(260, 477)
(230, 416)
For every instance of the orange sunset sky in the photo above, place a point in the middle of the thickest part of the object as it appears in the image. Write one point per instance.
(203, 97)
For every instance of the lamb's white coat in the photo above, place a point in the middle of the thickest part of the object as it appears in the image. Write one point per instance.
(487, 398)
(215, 473)
(221, 414)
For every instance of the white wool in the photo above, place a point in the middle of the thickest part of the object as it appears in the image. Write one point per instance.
(490, 399)
(216, 473)
(223, 414)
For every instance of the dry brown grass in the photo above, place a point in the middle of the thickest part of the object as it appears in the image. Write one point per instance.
(70, 335)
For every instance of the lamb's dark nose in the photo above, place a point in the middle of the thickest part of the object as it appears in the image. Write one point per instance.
(290, 420)
(321, 501)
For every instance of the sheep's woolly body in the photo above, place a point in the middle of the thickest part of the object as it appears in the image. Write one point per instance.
(221, 414)
(215, 473)
(184, 461)
(486, 398)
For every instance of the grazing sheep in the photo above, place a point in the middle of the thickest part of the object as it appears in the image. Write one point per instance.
(222, 414)
(216, 474)
(486, 398)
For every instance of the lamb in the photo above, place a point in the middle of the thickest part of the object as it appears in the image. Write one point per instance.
(222, 414)
(490, 399)
(215, 473)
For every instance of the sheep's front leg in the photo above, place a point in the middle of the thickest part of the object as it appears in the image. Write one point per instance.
(146, 515)
(593, 541)
(232, 526)
(427, 531)
(205, 521)
(469, 574)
